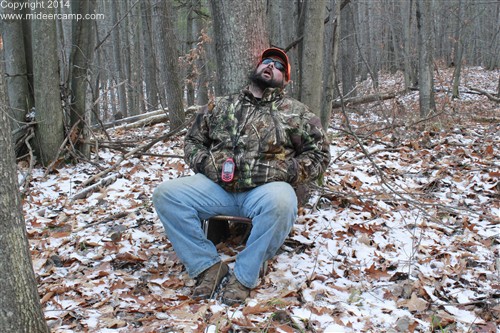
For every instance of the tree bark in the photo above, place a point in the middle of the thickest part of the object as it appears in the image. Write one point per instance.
(348, 51)
(330, 63)
(312, 55)
(283, 22)
(201, 62)
(20, 99)
(425, 82)
(49, 133)
(20, 310)
(458, 51)
(168, 58)
(149, 58)
(81, 59)
(241, 35)
(117, 60)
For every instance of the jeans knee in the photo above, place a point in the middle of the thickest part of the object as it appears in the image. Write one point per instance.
(161, 193)
(282, 197)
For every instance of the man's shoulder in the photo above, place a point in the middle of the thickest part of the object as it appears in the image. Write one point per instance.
(294, 106)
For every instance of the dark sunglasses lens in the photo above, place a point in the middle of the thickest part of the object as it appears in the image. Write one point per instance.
(279, 66)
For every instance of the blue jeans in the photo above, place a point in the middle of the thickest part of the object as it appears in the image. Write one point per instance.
(182, 203)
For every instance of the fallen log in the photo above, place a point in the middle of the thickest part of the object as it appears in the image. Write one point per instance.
(95, 187)
(490, 96)
(363, 99)
(151, 120)
(132, 119)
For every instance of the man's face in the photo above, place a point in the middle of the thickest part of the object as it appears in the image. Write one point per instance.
(267, 74)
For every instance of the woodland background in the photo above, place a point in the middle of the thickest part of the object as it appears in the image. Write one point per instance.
(405, 77)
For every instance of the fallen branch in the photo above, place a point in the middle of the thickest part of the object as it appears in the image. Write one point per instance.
(96, 187)
(363, 99)
(487, 94)
(135, 151)
(154, 119)
(132, 119)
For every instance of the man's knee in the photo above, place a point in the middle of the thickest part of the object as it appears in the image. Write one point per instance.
(282, 195)
(162, 192)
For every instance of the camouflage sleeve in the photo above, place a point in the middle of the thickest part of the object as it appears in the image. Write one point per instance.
(197, 141)
(312, 151)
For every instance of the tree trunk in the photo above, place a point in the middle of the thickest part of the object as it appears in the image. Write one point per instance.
(49, 133)
(312, 55)
(20, 99)
(201, 62)
(168, 60)
(241, 35)
(135, 90)
(406, 19)
(149, 58)
(191, 35)
(330, 63)
(81, 59)
(458, 51)
(117, 60)
(20, 310)
(348, 51)
(425, 82)
(283, 21)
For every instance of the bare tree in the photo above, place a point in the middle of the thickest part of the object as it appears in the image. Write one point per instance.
(459, 47)
(312, 55)
(117, 61)
(330, 62)
(425, 69)
(20, 309)
(202, 62)
(148, 57)
(348, 54)
(168, 58)
(81, 59)
(16, 70)
(49, 133)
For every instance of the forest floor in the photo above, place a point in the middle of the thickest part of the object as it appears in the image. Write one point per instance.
(404, 235)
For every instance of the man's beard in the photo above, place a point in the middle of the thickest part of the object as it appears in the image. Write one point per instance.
(262, 82)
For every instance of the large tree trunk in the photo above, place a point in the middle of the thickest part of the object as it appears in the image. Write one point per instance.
(20, 99)
(168, 58)
(81, 59)
(425, 82)
(240, 37)
(312, 55)
(20, 310)
(49, 132)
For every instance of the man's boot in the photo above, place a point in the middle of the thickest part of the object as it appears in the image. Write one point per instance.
(234, 292)
(209, 280)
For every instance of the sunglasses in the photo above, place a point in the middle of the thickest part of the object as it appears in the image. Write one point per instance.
(277, 64)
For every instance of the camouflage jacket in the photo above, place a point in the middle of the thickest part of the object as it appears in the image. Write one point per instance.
(275, 138)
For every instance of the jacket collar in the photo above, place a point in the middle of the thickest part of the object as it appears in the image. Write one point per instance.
(269, 95)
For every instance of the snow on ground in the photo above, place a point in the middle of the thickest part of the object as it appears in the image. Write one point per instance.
(404, 239)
